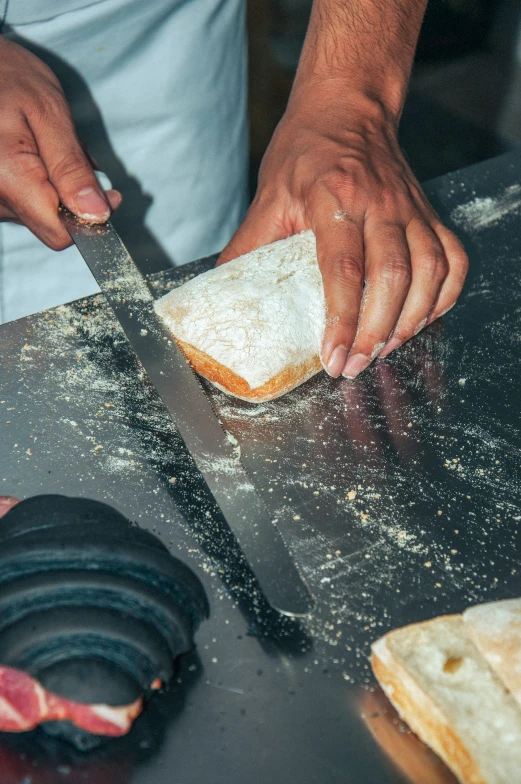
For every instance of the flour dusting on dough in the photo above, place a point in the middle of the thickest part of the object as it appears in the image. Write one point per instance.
(258, 315)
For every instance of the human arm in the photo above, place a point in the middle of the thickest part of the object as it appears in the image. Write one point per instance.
(388, 264)
(42, 162)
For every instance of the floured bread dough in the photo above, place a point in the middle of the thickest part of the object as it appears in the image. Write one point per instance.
(253, 326)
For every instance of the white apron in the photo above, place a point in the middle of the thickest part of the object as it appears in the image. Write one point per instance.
(158, 93)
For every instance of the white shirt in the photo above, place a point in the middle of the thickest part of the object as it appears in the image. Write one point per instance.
(158, 92)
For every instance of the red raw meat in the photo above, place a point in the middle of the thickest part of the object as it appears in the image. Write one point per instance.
(24, 704)
(6, 503)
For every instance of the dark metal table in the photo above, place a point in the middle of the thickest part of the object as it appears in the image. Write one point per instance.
(397, 493)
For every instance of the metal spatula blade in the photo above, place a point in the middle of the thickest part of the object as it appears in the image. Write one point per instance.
(186, 402)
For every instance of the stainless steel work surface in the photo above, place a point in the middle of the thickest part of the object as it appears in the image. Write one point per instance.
(397, 493)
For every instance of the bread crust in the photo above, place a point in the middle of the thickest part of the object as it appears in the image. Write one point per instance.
(233, 384)
(422, 715)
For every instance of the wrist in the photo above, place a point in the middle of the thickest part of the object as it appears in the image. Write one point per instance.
(364, 47)
(339, 100)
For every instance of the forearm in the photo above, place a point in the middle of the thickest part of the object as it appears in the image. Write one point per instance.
(366, 47)
(389, 266)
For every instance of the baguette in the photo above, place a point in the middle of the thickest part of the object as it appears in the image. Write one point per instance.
(254, 326)
(441, 685)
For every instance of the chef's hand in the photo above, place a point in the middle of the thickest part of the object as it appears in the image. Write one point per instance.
(42, 162)
(334, 165)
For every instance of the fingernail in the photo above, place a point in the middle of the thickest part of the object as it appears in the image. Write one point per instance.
(337, 361)
(114, 198)
(355, 365)
(91, 205)
(389, 346)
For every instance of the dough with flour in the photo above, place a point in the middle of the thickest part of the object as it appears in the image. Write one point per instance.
(254, 326)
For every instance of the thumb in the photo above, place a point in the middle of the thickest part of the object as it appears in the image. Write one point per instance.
(259, 227)
(67, 165)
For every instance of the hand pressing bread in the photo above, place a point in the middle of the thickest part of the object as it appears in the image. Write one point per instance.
(254, 327)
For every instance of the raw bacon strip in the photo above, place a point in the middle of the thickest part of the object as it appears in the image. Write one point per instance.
(24, 704)
(6, 503)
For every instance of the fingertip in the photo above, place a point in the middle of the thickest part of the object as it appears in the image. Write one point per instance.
(59, 244)
(355, 365)
(54, 235)
(334, 360)
(444, 312)
(114, 199)
(334, 349)
(226, 255)
(439, 314)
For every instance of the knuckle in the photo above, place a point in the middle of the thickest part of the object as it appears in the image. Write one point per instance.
(46, 106)
(57, 241)
(434, 265)
(347, 269)
(72, 166)
(346, 185)
(457, 257)
(396, 271)
(388, 199)
(57, 244)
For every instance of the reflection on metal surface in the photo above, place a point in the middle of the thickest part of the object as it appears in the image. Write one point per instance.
(413, 758)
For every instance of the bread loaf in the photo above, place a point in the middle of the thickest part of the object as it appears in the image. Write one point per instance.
(495, 628)
(254, 326)
(441, 685)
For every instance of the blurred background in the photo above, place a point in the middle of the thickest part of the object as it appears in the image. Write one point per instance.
(464, 101)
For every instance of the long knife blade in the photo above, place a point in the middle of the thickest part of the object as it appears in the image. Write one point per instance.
(186, 402)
